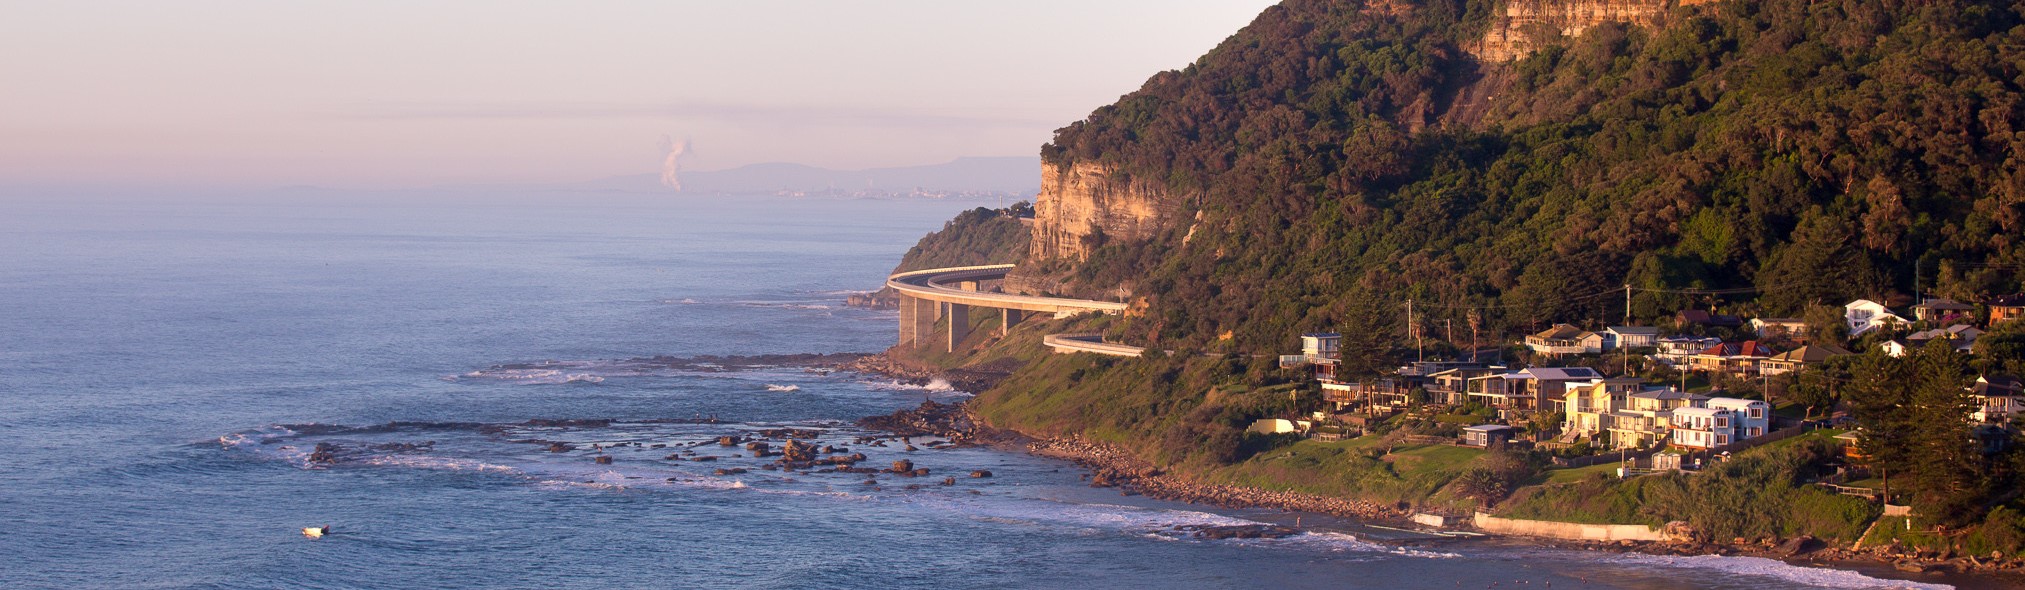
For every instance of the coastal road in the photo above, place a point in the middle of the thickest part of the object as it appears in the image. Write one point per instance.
(926, 295)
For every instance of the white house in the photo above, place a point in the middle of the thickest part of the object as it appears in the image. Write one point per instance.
(1779, 327)
(1675, 350)
(1321, 345)
(1865, 315)
(1720, 421)
(1997, 398)
(1630, 337)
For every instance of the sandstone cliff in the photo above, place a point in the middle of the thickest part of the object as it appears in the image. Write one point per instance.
(1526, 25)
(1082, 205)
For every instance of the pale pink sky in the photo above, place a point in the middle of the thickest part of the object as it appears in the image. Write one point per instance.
(400, 93)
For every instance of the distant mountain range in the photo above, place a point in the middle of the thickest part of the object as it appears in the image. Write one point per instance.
(1006, 175)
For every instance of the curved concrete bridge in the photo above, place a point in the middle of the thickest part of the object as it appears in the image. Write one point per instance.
(928, 295)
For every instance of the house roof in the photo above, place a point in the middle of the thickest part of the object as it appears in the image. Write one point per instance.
(1780, 321)
(1487, 428)
(2013, 300)
(1324, 335)
(1665, 394)
(1560, 373)
(1998, 385)
(1562, 332)
(1748, 348)
(1690, 339)
(1943, 304)
(1634, 330)
(1812, 353)
(1957, 331)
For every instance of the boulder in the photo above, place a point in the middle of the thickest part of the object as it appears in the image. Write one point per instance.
(903, 466)
(1801, 545)
(980, 473)
(729, 440)
(603, 459)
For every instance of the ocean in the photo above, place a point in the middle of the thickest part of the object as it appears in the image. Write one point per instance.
(188, 381)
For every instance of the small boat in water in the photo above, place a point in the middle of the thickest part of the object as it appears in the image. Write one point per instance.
(316, 532)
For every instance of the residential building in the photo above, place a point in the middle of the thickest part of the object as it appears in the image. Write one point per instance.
(1369, 392)
(1452, 386)
(1675, 350)
(1963, 336)
(1800, 358)
(1326, 345)
(1998, 398)
(1631, 337)
(1773, 328)
(1720, 422)
(1601, 406)
(1734, 358)
(1564, 340)
(1320, 353)
(1942, 310)
(1537, 388)
(1865, 315)
(2006, 308)
(1486, 435)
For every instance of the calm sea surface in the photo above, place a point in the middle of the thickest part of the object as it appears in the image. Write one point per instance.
(168, 366)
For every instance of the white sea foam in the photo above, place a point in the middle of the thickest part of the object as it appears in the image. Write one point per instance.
(773, 387)
(1759, 567)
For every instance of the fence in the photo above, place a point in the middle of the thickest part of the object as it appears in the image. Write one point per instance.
(1601, 459)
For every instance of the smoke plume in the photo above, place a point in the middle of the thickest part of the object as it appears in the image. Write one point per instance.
(671, 167)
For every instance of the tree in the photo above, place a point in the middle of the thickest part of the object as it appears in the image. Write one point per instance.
(1915, 417)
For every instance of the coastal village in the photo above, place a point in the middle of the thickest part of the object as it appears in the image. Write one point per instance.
(1646, 399)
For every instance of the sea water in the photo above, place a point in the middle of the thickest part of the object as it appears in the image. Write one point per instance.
(169, 366)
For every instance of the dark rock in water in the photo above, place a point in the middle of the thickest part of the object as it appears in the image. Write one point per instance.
(1242, 531)
(603, 460)
(729, 440)
(980, 473)
(673, 457)
(325, 453)
(1099, 481)
(703, 458)
(758, 447)
(919, 472)
(949, 481)
(556, 447)
(798, 451)
(910, 448)
(731, 471)
(913, 486)
(569, 423)
(903, 466)
(656, 446)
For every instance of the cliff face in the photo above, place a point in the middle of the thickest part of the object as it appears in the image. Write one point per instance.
(1525, 25)
(1084, 205)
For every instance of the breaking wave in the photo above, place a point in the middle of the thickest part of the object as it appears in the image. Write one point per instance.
(1759, 567)
(773, 387)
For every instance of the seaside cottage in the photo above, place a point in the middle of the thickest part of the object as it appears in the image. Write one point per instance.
(1537, 388)
(1635, 338)
(1738, 358)
(1938, 310)
(1486, 435)
(1998, 397)
(1565, 340)
(1720, 422)
(2006, 308)
(1675, 350)
(1864, 315)
(1800, 358)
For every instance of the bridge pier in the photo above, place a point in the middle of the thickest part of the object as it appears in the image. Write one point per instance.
(1006, 318)
(959, 324)
(917, 320)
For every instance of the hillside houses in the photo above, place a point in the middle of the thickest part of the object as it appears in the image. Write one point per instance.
(1800, 358)
(1732, 358)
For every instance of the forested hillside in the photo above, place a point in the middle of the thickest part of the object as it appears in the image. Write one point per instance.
(1339, 158)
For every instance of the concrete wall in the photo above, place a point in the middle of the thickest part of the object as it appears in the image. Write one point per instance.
(1566, 530)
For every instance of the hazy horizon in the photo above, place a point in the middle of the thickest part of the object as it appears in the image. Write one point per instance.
(229, 94)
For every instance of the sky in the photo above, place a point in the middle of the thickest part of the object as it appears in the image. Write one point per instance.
(380, 94)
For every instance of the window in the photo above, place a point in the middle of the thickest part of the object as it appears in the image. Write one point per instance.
(1722, 422)
(1722, 439)
(1757, 412)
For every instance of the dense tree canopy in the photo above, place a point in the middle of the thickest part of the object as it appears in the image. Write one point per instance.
(1346, 158)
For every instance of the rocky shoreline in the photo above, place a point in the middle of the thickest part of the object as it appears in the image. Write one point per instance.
(1114, 467)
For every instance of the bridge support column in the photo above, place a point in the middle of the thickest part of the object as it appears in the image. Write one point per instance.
(967, 285)
(917, 320)
(1007, 317)
(959, 324)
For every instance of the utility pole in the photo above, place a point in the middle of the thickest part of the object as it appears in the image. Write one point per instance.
(1627, 323)
(1413, 329)
(1450, 323)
